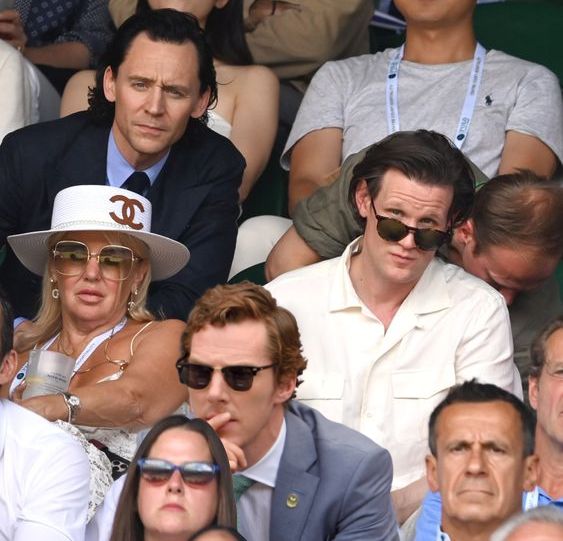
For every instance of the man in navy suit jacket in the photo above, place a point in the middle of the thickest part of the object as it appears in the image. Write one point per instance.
(151, 93)
(298, 476)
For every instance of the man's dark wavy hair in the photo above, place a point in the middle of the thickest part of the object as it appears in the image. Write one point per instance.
(424, 156)
(167, 25)
(225, 32)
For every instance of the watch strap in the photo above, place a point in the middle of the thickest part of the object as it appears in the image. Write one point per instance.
(73, 404)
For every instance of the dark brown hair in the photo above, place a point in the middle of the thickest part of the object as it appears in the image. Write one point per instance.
(423, 156)
(127, 525)
(162, 25)
(224, 31)
(473, 392)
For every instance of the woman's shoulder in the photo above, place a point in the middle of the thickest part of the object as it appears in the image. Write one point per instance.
(140, 336)
(247, 75)
(138, 332)
(151, 328)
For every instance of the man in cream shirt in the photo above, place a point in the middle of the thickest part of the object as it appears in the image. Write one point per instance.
(387, 327)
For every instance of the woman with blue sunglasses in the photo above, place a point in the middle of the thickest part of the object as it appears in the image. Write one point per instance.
(178, 483)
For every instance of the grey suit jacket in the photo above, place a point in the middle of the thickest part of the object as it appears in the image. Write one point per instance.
(332, 483)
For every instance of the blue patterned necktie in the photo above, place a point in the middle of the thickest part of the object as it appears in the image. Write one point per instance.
(240, 485)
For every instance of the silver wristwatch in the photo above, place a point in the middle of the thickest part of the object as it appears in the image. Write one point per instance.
(73, 404)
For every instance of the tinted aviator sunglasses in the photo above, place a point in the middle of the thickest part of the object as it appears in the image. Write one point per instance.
(70, 258)
(394, 230)
(156, 470)
(198, 376)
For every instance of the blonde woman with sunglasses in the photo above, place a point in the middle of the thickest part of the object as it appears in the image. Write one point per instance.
(97, 261)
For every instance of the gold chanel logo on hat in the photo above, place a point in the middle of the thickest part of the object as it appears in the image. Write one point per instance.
(292, 500)
(127, 211)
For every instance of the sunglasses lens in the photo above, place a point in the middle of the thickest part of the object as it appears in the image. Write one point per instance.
(391, 229)
(197, 473)
(196, 376)
(116, 262)
(70, 257)
(239, 378)
(429, 239)
(155, 471)
(394, 231)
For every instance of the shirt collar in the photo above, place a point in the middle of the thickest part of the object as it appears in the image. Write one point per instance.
(342, 292)
(544, 498)
(430, 294)
(265, 470)
(442, 536)
(118, 169)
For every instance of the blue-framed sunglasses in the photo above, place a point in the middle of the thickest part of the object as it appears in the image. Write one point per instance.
(157, 470)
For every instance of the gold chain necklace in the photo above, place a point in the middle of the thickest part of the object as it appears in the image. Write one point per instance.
(60, 347)
(120, 363)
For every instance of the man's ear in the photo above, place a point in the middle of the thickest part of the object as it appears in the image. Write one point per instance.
(285, 389)
(363, 199)
(533, 384)
(109, 85)
(530, 473)
(432, 472)
(202, 104)
(466, 233)
(8, 367)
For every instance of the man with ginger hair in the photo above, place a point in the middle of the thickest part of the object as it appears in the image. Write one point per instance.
(298, 476)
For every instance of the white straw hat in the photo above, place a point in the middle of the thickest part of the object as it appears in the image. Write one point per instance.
(102, 208)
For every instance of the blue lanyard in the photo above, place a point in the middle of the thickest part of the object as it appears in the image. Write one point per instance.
(392, 93)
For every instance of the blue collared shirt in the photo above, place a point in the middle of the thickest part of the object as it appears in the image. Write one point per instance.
(118, 169)
(428, 522)
(441, 536)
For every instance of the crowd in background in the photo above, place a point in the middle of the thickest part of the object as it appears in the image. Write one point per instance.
(382, 359)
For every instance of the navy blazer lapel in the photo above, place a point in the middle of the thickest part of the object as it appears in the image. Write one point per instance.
(188, 175)
(83, 161)
(177, 177)
(296, 483)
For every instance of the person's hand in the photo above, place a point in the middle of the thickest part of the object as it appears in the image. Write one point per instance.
(50, 406)
(237, 460)
(16, 395)
(11, 29)
(262, 9)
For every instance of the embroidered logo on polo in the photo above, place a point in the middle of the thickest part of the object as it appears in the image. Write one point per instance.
(127, 211)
